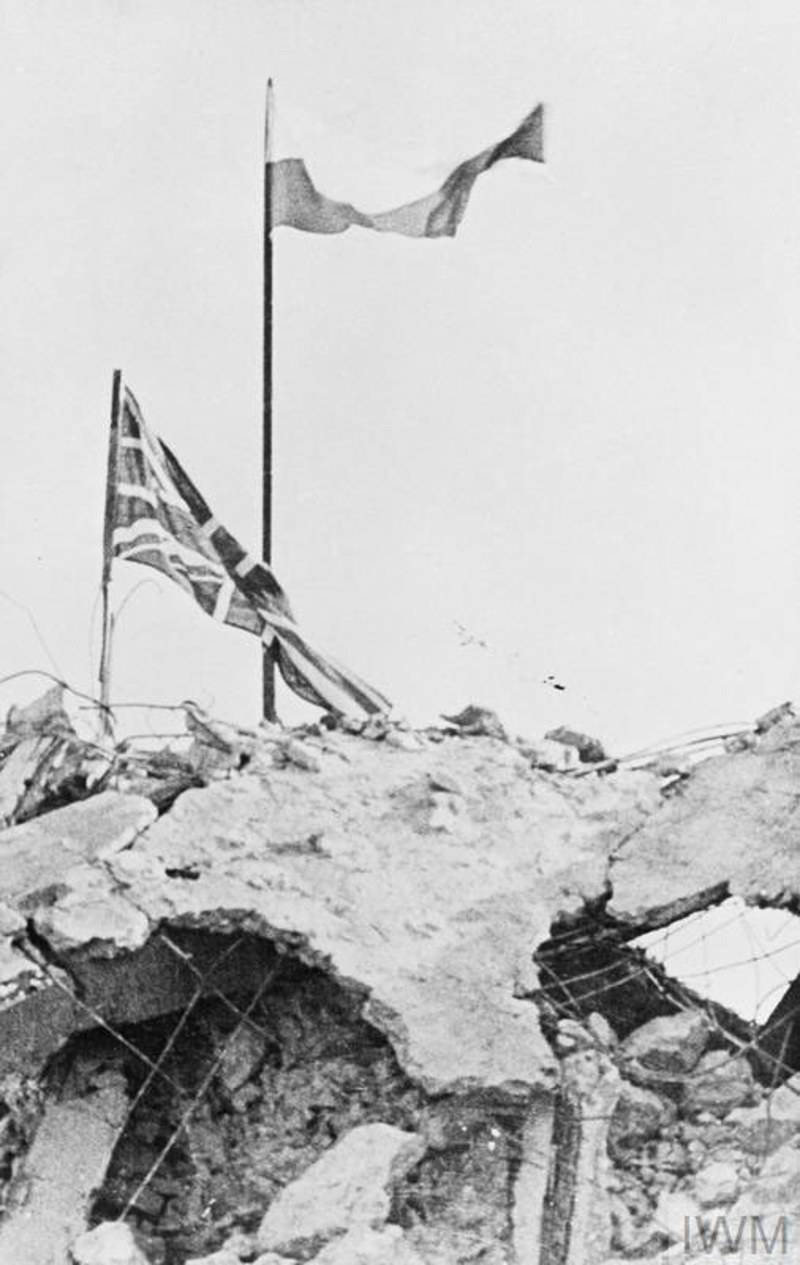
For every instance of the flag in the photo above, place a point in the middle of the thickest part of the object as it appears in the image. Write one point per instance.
(296, 202)
(160, 519)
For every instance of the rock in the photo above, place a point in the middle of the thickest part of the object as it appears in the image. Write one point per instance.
(388, 1246)
(553, 757)
(762, 1129)
(349, 1186)
(675, 1215)
(666, 1048)
(241, 1244)
(301, 755)
(37, 855)
(639, 1115)
(110, 1243)
(90, 912)
(719, 1083)
(776, 1191)
(716, 1184)
(595, 1032)
(242, 1058)
(478, 722)
(590, 750)
(602, 1031)
(572, 1035)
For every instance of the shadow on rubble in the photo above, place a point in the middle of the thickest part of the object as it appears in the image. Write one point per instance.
(590, 965)
(232, 1096)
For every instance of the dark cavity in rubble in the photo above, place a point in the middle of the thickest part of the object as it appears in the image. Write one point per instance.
(589, 965)
(779, 1036)
(299, 1073)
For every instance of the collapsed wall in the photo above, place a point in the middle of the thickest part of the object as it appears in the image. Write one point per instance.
(364, 938)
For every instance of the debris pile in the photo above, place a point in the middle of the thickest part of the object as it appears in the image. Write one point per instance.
(359, 993)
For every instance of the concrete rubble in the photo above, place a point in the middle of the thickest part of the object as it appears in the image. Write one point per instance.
(110, 1243)
(348, 1188)
(65, 1164)
(404, 890)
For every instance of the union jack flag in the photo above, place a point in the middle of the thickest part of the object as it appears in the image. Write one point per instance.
(160, 519)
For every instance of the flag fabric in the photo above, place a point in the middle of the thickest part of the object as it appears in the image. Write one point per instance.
(296, 202)
(161, 520)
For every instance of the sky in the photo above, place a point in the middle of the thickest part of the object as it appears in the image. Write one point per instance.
(563, 446)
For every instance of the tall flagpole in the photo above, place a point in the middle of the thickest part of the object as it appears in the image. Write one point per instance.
(108, 544)
(268, 670)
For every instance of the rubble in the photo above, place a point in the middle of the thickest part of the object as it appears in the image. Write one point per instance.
(590, 750)
(716, 1184)
(665, 1049)
(53, 1188)
(363, 1246)
(639, 1115)
(110, 1243)
(348, 1188)
(433, 932)
(719, 1082)
(478, 722)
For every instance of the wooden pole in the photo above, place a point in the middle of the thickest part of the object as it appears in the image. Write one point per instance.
(108, 542)
(268, 670)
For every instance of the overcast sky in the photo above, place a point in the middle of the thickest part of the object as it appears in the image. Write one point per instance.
(572, 431)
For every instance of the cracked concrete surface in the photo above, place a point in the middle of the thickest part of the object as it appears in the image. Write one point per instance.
(430, 917)
(423, 881)
(350, 869)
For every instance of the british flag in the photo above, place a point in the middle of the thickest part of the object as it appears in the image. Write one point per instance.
(160, 519)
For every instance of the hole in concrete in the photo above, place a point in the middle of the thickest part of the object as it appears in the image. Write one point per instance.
(303, 1070)
(746, 959)
(685, 1136)
(592, 967)
(225, 1112)
(742, 957)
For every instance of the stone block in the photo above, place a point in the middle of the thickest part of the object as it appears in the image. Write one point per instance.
(349, 1186)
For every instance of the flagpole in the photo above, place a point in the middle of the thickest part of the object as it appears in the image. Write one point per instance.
(268, 663)
(108, 542)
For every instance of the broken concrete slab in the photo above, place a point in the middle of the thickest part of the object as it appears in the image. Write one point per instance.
(90, 915)
(735, 823)
(163, 976)
(432, 928)
(35, 856)
(428, 930)
(348, 1187)
(66, 1163)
